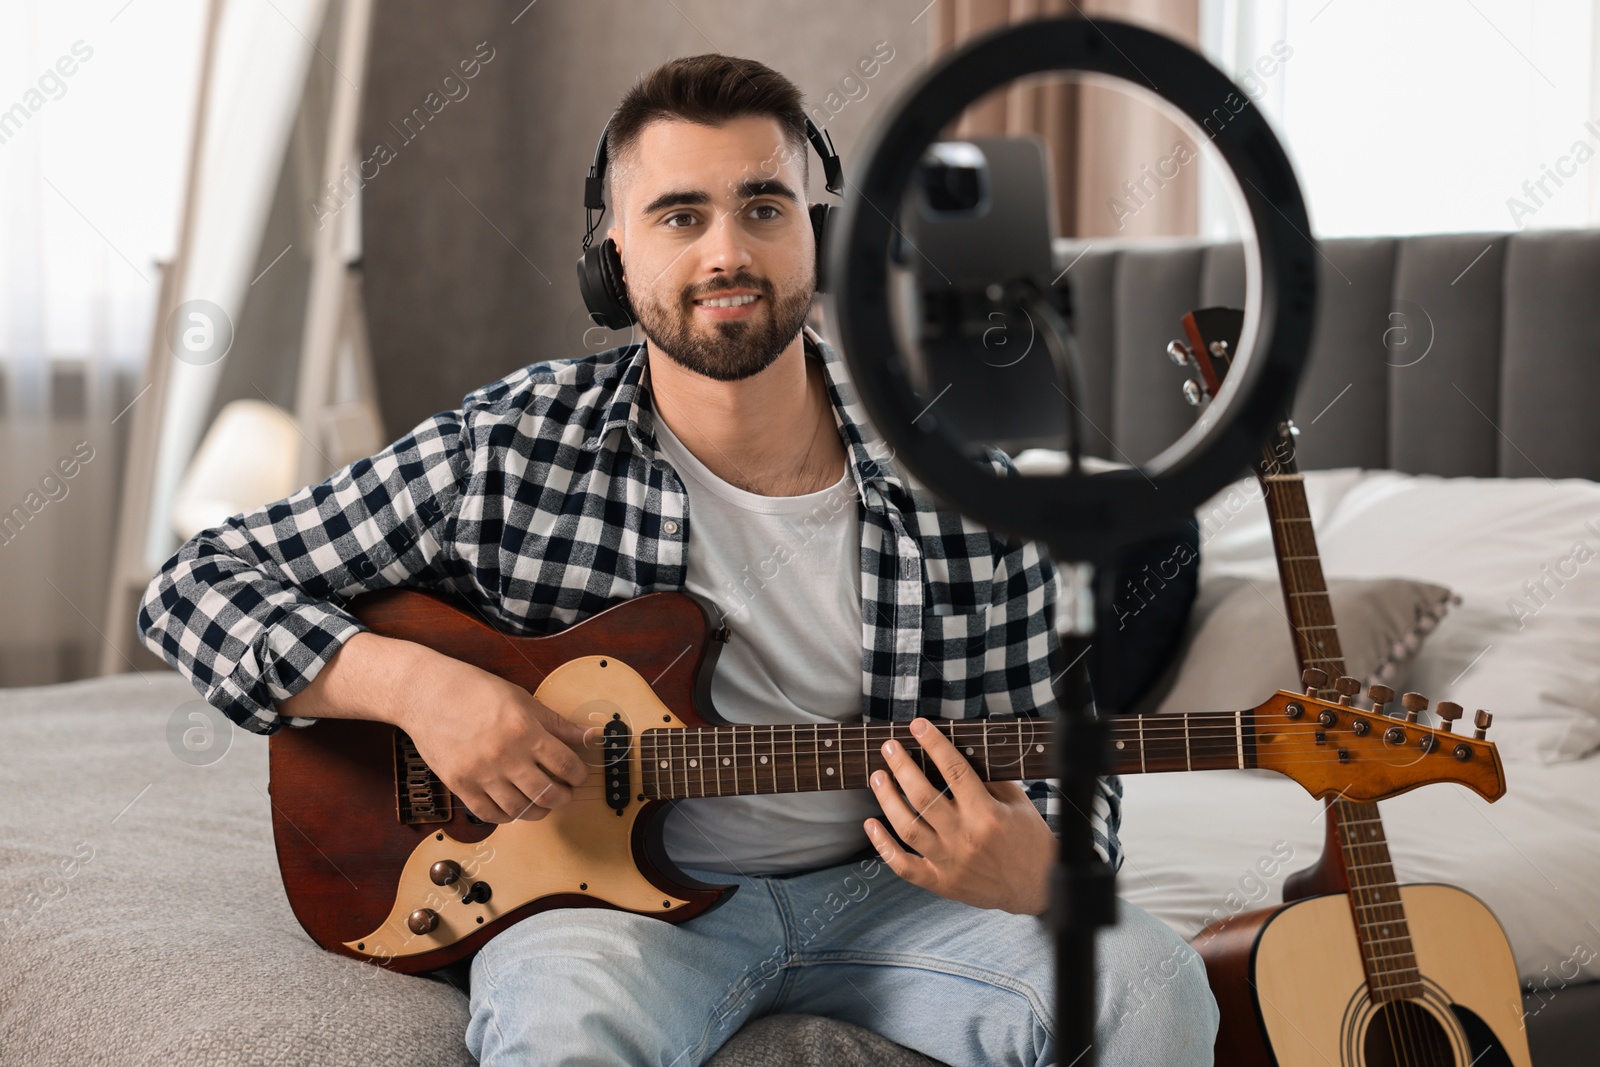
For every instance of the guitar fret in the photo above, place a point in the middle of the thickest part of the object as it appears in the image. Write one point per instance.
(816, 756)
(1381, 940)
(699, 761)
(674, 764)
(1188, 759)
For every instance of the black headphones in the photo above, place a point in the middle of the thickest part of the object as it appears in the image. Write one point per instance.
(600, 267)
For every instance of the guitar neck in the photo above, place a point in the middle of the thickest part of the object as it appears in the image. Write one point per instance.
(1384, 936)
(740, 760)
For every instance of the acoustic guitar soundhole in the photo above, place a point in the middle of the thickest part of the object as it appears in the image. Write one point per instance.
(1401, 1033)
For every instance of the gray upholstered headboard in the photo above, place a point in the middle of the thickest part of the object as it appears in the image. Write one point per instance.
(1510, 385)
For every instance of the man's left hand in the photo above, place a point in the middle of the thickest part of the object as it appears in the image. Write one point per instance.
(982, 843)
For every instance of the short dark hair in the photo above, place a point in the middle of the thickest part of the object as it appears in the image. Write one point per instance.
(707, 89)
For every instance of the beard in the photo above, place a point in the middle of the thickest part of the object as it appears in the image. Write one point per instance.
(731, 349)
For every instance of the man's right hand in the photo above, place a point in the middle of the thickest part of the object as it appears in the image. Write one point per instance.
(504, 753)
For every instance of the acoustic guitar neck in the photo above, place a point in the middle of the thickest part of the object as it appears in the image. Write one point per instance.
(1356, 855)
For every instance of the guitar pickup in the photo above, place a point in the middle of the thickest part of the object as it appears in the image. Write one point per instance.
(618, 741)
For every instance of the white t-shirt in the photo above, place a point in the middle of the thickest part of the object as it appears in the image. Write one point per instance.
(785, 573)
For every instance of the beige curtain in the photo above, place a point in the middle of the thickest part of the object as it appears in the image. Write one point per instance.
(1104, 145)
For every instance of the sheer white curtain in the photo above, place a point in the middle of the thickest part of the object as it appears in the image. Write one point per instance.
(95, 107)
(1424, 116)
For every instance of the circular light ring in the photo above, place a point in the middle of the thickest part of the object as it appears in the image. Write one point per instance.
(1077, 516)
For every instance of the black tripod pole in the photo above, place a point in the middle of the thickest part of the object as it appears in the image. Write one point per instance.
(1082, 896)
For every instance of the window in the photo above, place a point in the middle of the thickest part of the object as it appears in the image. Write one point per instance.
(1423, 116)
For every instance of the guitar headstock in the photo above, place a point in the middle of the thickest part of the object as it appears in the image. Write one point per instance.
(1212, 341)
(1335, 748)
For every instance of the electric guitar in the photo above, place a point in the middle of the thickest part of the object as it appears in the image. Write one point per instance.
(382, 863)
(1361, 970)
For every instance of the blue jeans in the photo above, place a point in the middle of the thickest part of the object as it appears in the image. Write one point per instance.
(964, 985)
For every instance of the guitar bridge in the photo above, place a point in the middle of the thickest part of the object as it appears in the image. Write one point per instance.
(618, 741)
(419, 794)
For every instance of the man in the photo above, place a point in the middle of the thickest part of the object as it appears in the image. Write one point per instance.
(724, 455)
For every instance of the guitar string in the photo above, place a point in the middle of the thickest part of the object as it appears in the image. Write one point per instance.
(1357, 860)
(677, 756)
(1301, 571)
(1204, 743)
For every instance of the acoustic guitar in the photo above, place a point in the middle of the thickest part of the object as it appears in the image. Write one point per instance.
(382, 863)
(1359, 971)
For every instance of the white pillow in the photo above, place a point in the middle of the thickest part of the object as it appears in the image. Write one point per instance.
(1522, 553)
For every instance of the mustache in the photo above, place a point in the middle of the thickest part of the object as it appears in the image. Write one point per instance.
(743, 281)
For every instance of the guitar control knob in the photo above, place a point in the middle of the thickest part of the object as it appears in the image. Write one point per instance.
(1381, 695)
(1347, 687)
(1313, 679)
(445, 872)
(1481, 721)
(1449, 711)
(1413, 703)
(422, 921)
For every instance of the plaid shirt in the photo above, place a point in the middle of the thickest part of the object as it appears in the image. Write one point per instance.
(543, 500)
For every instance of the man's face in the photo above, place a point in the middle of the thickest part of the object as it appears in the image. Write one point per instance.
(710, 212)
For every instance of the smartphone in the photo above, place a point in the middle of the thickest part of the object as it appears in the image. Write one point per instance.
(981, 213)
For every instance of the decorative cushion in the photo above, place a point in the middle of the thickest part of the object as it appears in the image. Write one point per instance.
(1239, 649)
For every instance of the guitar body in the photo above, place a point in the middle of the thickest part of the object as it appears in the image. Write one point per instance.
(355, 870)
(1293, 991)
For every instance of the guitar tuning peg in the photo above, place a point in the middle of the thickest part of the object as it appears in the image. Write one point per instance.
(1313, 679)
(1179, 354)
(1381, 695)
(1413, 703)
(1193, 393)
(1449, 711)
(1482, 721)
(1218, 348)
(1347, 687)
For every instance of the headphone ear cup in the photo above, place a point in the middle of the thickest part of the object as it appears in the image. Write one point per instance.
(600, 282)
(820, 214)
(611, 264)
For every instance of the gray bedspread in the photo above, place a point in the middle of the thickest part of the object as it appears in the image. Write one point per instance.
(145, 923)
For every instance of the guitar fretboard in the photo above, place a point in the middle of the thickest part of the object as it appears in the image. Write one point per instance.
(746, 760)
(1381, 930)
